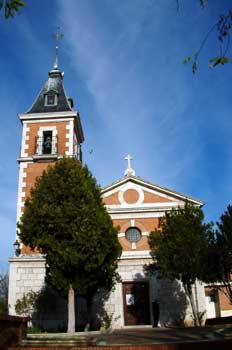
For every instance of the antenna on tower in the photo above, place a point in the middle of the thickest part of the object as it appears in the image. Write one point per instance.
(58, 36)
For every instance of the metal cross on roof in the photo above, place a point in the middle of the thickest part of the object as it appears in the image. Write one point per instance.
(129, 171)
(58, 36)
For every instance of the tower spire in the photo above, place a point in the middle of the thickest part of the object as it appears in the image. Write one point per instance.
(57, 36)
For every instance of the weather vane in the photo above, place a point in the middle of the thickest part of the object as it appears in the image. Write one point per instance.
(58, 36)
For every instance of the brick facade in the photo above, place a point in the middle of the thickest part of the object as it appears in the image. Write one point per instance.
(133, 204)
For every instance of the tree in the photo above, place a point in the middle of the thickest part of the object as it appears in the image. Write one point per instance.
(177, 246)
(11, 6)
(222, 28)
(219, 255)
(3, 294)
(25, 305)
(65, 219)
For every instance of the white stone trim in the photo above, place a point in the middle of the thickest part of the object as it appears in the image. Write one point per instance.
(130, 186)
(46, 121)
(31, 159)
(116, 186)
(118, 216)
(225, 313)
(138, 254)
(121, 234)
(25, 138)
(69, 137)
(52, 115)
(28, 258)
(145, 234)
(21, 191)
(144, 205)
(39, 150)
(133, 245)
(139, 209)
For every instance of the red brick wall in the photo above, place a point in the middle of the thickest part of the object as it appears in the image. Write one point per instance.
(33, 133)
(152, 198)
(143, 224)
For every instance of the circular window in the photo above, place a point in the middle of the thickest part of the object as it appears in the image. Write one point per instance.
(133, 234)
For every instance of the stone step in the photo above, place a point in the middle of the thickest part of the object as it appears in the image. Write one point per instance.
(225, 344)
(54, 344)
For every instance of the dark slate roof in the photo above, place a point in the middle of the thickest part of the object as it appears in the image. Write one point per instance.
(53, 84)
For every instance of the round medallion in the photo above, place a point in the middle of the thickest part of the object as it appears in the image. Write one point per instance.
(131, 196)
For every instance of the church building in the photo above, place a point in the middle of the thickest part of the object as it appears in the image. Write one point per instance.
(51, 129)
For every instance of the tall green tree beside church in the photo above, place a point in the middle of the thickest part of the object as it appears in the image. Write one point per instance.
(65, 219)
(218, 256)
(4, 281)
(178, 247)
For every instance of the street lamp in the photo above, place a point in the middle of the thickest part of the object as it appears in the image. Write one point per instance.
(17, 248)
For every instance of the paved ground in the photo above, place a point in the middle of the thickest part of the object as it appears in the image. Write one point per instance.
(160, 335)
(139, 335)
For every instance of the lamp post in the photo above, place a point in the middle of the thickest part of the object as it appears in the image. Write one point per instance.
(17, 248)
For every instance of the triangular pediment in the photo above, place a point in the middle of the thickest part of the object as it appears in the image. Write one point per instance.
(132, 191)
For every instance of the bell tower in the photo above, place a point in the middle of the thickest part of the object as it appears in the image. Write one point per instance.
(51, 129)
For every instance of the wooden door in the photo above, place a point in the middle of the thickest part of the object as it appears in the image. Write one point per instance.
(136, 303)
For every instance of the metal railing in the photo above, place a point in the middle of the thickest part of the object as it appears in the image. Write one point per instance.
(46, 145)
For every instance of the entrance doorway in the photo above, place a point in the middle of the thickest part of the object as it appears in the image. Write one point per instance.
(136, 303)
(211, 305)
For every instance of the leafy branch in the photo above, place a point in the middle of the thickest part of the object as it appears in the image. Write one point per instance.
(11, 6)
(223, 27)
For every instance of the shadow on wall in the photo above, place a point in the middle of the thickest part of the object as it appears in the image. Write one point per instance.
(50, 311)
(169, 295)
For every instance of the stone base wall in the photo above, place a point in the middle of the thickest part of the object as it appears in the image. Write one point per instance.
(174, 306)
(28, 273)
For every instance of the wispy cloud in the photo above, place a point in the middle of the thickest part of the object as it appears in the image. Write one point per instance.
(139, 103)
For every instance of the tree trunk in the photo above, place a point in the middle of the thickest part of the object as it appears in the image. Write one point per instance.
(188, 291)
(71, 310)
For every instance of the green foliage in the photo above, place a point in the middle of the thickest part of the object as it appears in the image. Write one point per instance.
(25, 305)
(218, 60)
(219, 255)
(178, 244)
(107, 320)
(3, 294)
(66, 220)
(11, 6)
(187, 59)
(35, 330)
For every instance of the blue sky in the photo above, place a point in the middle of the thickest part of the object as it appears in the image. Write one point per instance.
(123, 67)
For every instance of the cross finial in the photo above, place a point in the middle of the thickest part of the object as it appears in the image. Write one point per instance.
(57, 36)
(129, 171)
